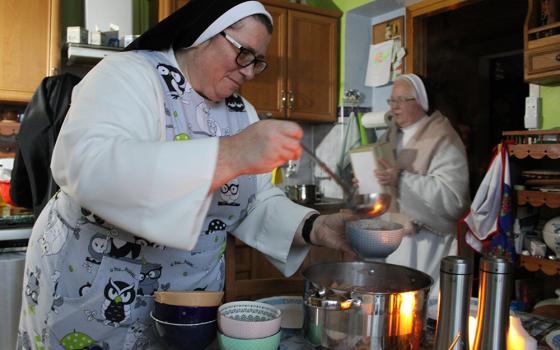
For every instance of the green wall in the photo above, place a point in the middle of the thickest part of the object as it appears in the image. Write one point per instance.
(551, 106)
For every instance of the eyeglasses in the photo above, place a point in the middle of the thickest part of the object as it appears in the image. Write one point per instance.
(245, 57)
(399, 100)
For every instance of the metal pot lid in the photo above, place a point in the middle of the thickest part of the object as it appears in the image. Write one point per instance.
(367, 277)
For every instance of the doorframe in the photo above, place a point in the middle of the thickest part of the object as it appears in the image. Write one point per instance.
(416, 31)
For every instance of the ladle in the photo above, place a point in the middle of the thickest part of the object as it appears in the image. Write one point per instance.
(369, 205)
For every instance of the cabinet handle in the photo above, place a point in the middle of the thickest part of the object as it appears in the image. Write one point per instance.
(558, 57)
(292, 100)
(283, 99)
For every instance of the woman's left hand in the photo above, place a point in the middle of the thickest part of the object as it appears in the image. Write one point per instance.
(329, 231)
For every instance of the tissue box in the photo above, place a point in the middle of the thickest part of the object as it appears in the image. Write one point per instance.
(78, 35)
(109, 38)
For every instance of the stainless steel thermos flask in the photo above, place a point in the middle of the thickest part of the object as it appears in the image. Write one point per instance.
(454, 302)
(493, 304)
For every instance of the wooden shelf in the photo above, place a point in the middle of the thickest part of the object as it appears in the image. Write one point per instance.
(543, 28)
(536, 144)
(538, 198)
(533, 264)
(535, 151)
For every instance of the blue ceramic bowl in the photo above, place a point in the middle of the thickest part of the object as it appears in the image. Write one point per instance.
(176, 336)
(185, 314)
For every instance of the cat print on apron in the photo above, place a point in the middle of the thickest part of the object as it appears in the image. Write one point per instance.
(90, 285)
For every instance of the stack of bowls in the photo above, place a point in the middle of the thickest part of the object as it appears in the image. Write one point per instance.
(249, 325)
(186, 320)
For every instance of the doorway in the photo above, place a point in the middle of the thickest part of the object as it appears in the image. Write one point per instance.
(472, 53)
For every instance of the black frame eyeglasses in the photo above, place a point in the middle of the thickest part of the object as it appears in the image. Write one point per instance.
(399, 100)
(245, 57)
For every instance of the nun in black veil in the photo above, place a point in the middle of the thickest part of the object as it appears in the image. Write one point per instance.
(158, 159)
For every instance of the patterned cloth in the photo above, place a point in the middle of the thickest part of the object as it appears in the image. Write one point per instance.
(89, 284)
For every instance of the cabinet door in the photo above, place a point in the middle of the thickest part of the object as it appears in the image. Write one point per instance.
(267, 90)
(167, 7)
(29, 46)
(312, 66)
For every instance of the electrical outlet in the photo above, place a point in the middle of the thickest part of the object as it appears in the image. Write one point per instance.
(533, 117)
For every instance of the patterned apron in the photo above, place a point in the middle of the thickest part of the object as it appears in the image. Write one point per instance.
(90, 285)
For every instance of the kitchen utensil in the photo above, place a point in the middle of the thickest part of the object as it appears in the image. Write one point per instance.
(369, 205)
(493, 305)
(185, 314)
(185, 336)
(454, 301)
(266, 343)
(303, 194)
(390, 314)
(248, 319)
(189, 298)
(374, 238)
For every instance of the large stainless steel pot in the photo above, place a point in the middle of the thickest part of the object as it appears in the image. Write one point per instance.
(388, 306)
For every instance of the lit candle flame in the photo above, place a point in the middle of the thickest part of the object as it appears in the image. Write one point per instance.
(517, 337)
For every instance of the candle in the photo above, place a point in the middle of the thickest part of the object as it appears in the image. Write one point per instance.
(517, 336)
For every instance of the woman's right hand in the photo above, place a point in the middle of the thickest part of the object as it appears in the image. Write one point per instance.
(257, 149)
(266, 145)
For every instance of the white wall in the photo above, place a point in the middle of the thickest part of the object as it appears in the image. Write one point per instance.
(380, 94)
(359, 24)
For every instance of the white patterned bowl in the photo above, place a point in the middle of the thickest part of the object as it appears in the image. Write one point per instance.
(248, 319)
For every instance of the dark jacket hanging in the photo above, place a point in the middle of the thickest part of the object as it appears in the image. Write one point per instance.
(32, 184)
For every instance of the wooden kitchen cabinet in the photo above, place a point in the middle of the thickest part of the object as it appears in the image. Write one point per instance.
(29, 46)
(542, 42)
(167, 7)
(301, 81)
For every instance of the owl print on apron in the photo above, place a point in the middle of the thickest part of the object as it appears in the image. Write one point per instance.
(90, 285)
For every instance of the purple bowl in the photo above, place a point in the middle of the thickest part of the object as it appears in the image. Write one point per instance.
(185, 336)
(185, 314)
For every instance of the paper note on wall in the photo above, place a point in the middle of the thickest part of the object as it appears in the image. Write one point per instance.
(379, 64)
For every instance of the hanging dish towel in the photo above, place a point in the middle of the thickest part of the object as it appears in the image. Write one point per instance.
(489, 220)
(351, 140)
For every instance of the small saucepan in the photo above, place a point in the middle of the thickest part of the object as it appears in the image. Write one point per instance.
(302, 194)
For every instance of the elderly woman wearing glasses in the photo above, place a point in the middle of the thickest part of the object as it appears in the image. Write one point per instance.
(430, 177)
(158, 159)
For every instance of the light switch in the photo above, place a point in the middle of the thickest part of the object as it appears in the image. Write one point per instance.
(533, 116)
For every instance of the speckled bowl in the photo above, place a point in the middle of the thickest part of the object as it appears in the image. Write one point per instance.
(374, 238)
(248, 319)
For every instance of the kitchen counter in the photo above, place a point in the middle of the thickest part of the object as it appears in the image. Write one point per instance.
(537, 326)
(15, 226)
